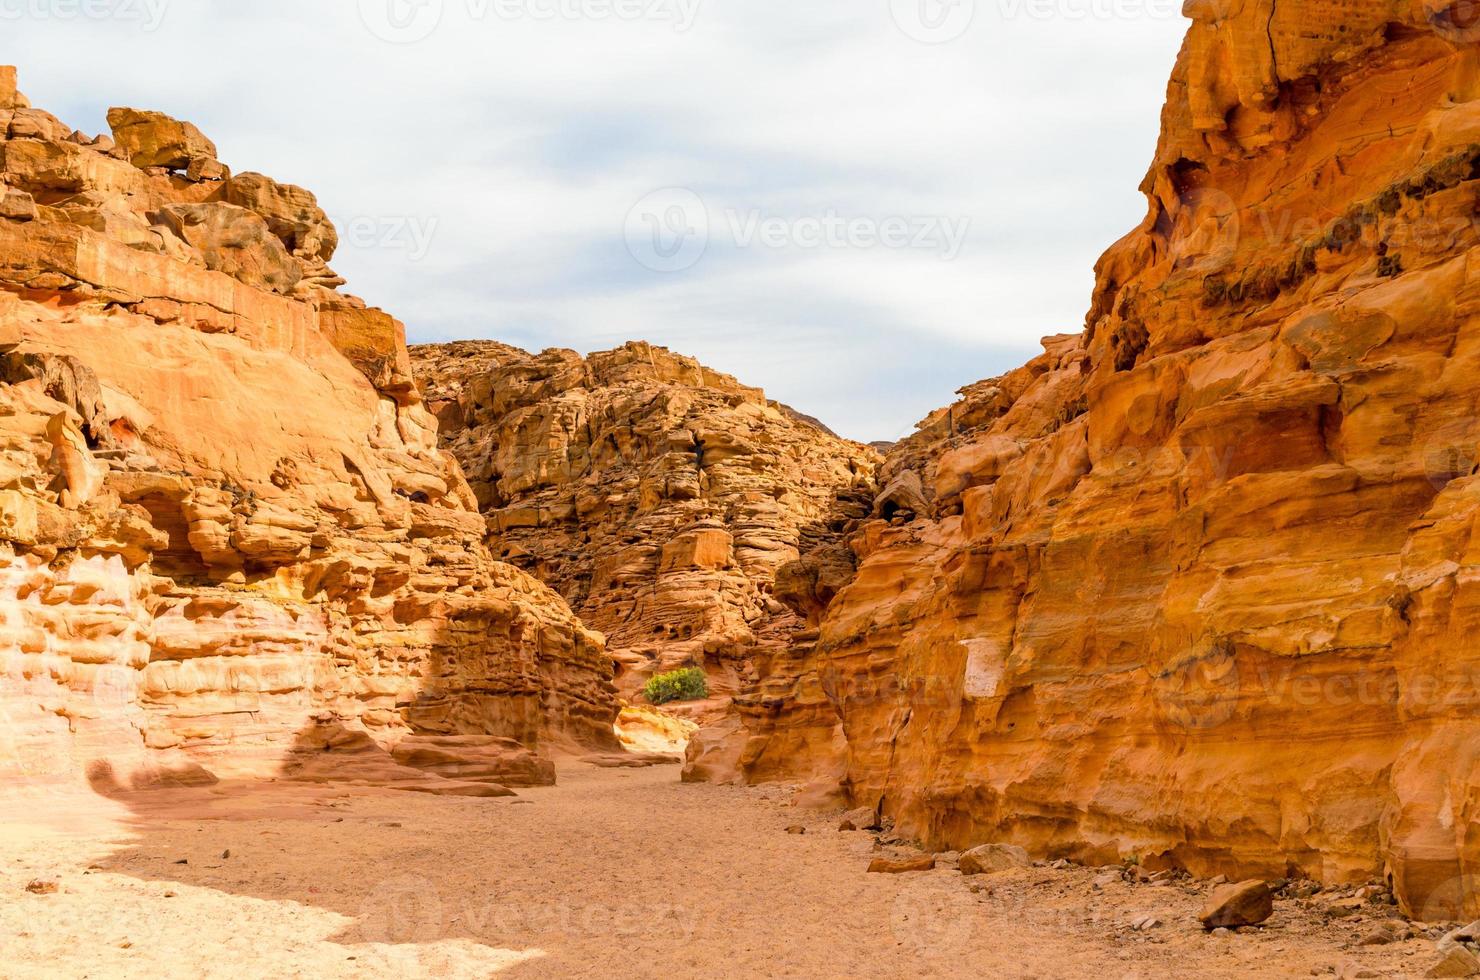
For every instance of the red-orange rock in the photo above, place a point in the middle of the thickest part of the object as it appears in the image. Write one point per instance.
(904, 865)
(152, 139)
(228, 538)
(1198, 584)
(1246, 903)
(10, 98)
(987, 858)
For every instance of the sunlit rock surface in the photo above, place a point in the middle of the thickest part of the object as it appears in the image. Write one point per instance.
(1199, 584)
(228, 539)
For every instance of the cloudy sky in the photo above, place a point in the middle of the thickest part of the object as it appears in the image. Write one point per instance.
(860, 205)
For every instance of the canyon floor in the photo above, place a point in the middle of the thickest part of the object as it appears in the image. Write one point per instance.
(613, 872)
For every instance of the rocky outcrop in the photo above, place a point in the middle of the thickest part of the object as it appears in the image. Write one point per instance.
(658, 496)
(228, 538)
(1198, 584)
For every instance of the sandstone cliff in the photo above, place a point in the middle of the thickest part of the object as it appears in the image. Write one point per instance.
(657, 495)
(227, 534)
(1199, 584)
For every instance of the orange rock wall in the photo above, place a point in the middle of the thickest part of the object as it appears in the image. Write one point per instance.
(227, 534)
(1198, 584)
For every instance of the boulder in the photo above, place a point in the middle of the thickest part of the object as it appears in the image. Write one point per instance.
(863, 818)
(234, 241)
(903, 498)
(901, 865)
(10, 97)
(291, 212)
(153, 139)
(1466, 935)
(375, 342)
(707, 548)
(17, 205)
(1457, 962)
(987, 858)
(1245, 903)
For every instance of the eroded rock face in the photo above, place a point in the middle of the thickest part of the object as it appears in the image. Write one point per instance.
(1198, 584)
(228, 538)
(658, 496)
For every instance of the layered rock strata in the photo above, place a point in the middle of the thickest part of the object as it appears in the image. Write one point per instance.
(227, 534)
(1199, 584)
(657, 495)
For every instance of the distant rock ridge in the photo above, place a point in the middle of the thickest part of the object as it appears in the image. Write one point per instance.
(657, 495)
(228, 539)
(1198, 585)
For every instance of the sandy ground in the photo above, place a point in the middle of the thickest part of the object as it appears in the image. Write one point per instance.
(613, 873)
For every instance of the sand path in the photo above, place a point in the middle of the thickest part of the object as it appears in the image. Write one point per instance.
(613, 873)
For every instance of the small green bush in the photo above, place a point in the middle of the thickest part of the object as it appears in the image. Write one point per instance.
(679, 685)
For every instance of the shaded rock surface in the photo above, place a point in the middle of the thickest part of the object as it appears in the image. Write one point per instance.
(228, 538)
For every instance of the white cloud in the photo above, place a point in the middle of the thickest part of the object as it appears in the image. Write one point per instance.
(490, 166)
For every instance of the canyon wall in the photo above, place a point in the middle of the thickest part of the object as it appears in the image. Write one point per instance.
(1200, 584)
(656, 495)
(227, 534)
